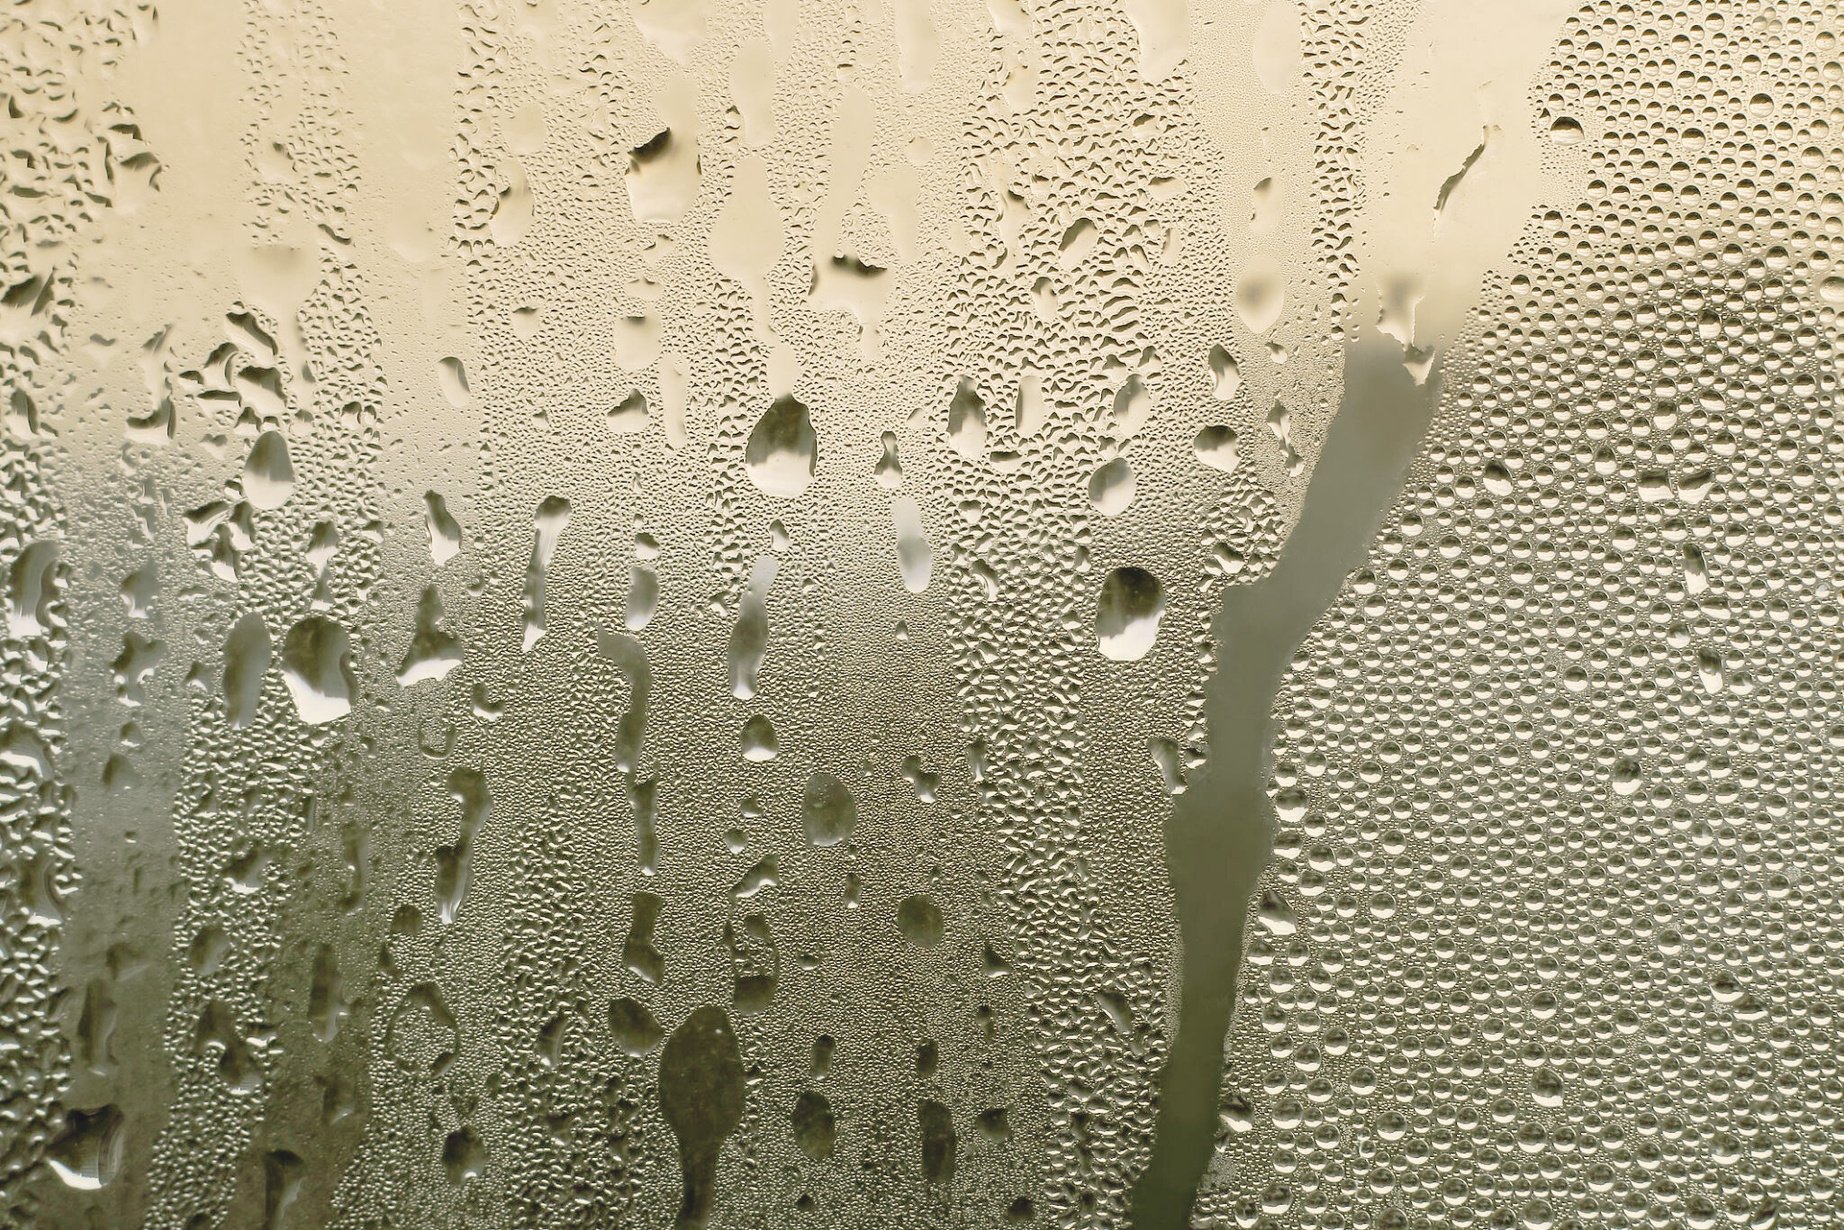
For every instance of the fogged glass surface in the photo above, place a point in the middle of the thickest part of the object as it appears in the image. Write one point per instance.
(1142, 613)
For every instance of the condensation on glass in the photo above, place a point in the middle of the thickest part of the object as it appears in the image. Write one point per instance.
(1084, 613)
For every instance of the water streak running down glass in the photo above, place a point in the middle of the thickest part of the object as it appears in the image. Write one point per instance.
(921, 613)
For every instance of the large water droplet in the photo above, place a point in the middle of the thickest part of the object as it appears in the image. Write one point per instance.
(268, 477)
(246, 660)
(1215, 446)
(636, 1030)
(828, 809)
(433, 650)
(915, 559)
(1128, 613)
(317, 667)
(1110, 487)
(782, 450)
(758, 740)
(920, 921)
(701, 1097)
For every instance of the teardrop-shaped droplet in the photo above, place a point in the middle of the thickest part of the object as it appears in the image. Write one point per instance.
(268, 476)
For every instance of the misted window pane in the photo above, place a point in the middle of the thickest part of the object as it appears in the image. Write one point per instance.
(921, 613)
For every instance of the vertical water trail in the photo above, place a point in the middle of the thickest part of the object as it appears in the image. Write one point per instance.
(1219, 835)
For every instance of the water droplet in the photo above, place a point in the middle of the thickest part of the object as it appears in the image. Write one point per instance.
(920, 921)
(758, 740)
(701, 1088)
(782, 450)
(1110, 488)
(317, 667)
(268, 478)
(828, 810)
(1127, 614)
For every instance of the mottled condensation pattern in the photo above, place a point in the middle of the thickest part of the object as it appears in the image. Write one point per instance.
(921, 613)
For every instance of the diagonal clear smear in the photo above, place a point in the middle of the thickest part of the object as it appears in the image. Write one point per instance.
(1219, 836)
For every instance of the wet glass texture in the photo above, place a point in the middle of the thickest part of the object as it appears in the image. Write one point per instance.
(921, 613)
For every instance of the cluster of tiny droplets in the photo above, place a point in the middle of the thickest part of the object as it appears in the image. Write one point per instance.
(1550, 935)
(52, 170)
